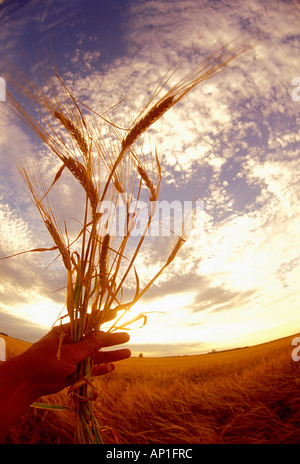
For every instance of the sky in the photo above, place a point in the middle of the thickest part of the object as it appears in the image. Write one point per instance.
(232, 143)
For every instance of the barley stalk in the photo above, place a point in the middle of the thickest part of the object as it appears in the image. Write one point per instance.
(208, 68)
(46, 212)
(74, 131)
(98, 273)
(153, 115)
(148, 182)
(104, 256)
(85, 180)
(59, 243)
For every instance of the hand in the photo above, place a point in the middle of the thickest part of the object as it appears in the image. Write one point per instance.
(48, 366)
(51, 366)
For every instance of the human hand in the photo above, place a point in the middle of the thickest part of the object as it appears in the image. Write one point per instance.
(51, 367)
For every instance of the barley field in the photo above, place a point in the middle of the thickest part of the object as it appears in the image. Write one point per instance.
(244, 396)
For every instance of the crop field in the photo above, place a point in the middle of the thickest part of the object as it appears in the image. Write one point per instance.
(244, 396)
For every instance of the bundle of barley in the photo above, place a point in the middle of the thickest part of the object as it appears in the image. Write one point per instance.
(99, 261)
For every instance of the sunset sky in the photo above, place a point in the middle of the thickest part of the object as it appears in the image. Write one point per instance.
(233, 143)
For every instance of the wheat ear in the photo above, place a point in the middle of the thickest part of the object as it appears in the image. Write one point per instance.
(59, 243)
(33, 182)
(148, 182)
(208, 68)
(74, 131)
(146, 121)
(81, 174)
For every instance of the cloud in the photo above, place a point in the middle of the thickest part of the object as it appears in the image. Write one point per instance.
(233, 143)
(218, 298)
(20, 328)
(159, 349)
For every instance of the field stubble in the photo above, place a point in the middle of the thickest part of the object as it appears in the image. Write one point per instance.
(250, 395)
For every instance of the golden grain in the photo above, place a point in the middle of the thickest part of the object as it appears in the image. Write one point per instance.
(85, 180)
(155, 113)
(180, 241)
(86, 283)
(148, 182)
(243, 396)
(74, 131)
(65, 254)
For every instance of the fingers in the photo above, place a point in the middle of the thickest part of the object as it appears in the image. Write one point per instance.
(103, 360)
(95, 341)
(103, 369)
(66, 327)
(107, 357)
(117, 338)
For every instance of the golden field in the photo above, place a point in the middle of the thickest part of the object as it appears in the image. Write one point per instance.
(249, 395)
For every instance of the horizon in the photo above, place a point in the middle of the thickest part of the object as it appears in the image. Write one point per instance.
(137, 353)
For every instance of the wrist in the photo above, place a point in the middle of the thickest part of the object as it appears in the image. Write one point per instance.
(17, 393)
(18, 371)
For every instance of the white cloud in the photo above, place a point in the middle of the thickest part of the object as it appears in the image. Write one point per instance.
(234, 140)
(14, 231)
